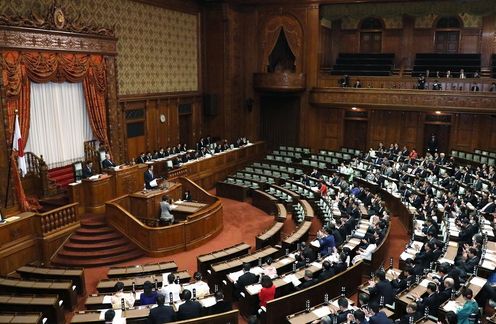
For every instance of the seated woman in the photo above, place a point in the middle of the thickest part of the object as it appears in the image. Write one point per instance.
(469, 307)
(267, 292)
(148, 296)
(366, 253)
(120, 298)
(165, 211)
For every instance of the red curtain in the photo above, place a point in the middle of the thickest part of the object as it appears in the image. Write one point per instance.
(20, 68)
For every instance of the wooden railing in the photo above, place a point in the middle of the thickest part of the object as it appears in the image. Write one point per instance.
(57, 219)
(198, 228)
(36, 181)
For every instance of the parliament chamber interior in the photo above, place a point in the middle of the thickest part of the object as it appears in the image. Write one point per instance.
(248, 161)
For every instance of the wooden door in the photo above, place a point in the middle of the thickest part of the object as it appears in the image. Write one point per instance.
(185, 129)
(442, 132)
(355, 134)
(371, 42)
(447, 41)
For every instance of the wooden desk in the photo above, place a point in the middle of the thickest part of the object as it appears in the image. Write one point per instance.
(127, 179)
(264, 201)
(24, 318)
(74, 275)
(107, 285)
(142, 270)
(62, 288)
(301, 234)
(231, 191)
(271, 236)
(146, 204)
(204, 261)
(49, 306)
(315, 313)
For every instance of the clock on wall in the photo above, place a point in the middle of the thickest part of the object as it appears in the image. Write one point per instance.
(162, 118)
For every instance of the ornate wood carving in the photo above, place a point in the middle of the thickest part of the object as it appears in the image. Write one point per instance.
(279, 82)
(36, 39)
(54, 19)
(294, 35)
(420, 100)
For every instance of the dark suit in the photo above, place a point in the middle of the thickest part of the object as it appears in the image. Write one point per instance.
(306, 284)
(219, 307)
(107, 164)
(343, 316)
(87, 172)
(431, 301)
(326, 274)
(382, 288)
(161, 314)
(244, 280)
(380, 318)
(148, 178)
(190, 309)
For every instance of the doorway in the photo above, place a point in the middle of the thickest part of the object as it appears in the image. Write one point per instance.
(447, 41)
(185, 129)
(442, 133)
(355, 134)
(371, 42)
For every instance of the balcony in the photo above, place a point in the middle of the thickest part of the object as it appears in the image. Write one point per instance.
(279, 82)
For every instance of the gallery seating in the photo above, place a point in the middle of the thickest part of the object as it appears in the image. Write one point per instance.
(435, 62)
(364, 64)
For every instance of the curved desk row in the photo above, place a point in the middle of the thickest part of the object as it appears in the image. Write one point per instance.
(196, 229)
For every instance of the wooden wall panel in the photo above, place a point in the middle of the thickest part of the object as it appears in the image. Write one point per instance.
(470, 41)
(330, 123)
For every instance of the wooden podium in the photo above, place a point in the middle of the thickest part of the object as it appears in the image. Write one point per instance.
(127, 179)
(146, 204)
(96, 193)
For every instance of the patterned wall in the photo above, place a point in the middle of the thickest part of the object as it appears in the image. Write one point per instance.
(157, 48)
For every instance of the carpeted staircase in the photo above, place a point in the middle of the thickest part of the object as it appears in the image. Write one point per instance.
(62, 176)
(95, 244)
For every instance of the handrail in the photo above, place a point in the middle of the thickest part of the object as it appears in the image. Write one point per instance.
(58, 218)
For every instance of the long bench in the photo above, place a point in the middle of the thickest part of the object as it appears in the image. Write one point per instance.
(204, 261)
(50, 306)
(231, 190)
(24, 318)
(301, 234)
(271, 236)
(64, 289)
(142, 270)
(75, 275)
(107, 285)
(139, 315)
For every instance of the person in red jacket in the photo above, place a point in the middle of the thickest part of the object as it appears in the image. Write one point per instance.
(267, 292)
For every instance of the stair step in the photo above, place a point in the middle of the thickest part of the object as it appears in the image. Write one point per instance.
(98, 253)
(97, 262)
(94, 231)
(74, 246)
(91, 239)
(85, 223)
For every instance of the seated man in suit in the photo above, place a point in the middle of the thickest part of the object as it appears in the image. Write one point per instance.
(308, 280)
(107, 163)
(411, 315)
(376, 316)
(161, 313)
(149, 177)
(343, 311)
(380, 289)
(187, 196)
(88, 170)
(141, 158)
(190, 308)
(327, 271)
(220, 306)
(431, 300)
(247, 278)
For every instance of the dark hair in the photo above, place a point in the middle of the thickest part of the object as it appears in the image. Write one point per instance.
(432, 286)
(171, 278)
(374, 307)
(186, 294)
(359, 315)
(343, 302)
(266, 282)
(148, 288)
(253, 319)
(197, 276)
(467, 293)
(219, 295)
(165, 198)
(450, 318)
(246, 267)
(119, 286)
(268, 260)
(371, 240)
(109, 315)
(380, 274)
(160, 299)
(443, 268)
(326, 265)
